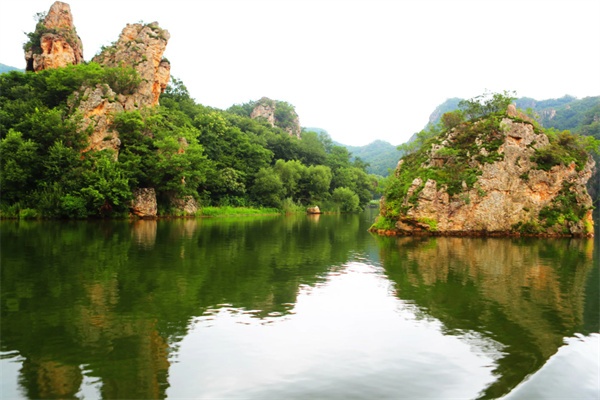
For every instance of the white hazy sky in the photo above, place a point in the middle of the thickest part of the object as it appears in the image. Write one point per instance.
(362, 70)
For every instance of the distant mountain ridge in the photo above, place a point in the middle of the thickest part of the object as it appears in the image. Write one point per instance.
(380, 155)
(7, 68)
(565, 113)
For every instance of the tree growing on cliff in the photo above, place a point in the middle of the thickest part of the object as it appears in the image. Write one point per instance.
(486, 104)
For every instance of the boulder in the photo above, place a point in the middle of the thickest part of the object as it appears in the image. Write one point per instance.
(144, 203)
(314, 210)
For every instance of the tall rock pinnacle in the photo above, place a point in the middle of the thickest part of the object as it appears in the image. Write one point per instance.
(54, 43)
(141, 47)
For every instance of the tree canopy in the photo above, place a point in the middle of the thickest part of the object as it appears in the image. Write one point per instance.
(179, 148)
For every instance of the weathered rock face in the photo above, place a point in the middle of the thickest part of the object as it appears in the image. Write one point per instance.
(267, 109)
(509, 195)
(59, 45)
(141, 47)
(98, 107)
(144, 203)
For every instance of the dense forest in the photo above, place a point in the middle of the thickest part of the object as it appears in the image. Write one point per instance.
(179, 148)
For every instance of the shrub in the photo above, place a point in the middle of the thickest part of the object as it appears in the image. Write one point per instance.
(28, 213)
(383, 223)
(346, 200)
(565, 148)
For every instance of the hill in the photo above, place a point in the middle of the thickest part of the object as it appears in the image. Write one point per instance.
(497, 173)
(7, 68)
(580, 116)
(380, 155)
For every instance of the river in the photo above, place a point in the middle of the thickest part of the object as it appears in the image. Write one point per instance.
(293, 307)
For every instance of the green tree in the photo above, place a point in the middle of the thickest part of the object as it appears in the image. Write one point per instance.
(346, 200)
(105, 185)
(20, 164)
(486, 104)
(317, 183)
(290, 173)
(268, 189)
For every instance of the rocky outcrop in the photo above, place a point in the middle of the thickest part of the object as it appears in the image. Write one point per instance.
(55, 42)
(139, 50)
(186, 206)
(286, 119)
(503, 192)
(264, 108)
(143, 77)
(98, 106)
(144, 203)
(141, 47)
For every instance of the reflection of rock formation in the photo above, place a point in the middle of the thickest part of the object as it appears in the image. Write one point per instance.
(527, 295)
(48, 379)
(110, 299)
(144, 232)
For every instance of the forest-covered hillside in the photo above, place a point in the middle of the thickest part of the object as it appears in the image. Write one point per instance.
(180, 148)
(381, 157)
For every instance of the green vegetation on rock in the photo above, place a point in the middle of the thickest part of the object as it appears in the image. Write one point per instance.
(449, 159)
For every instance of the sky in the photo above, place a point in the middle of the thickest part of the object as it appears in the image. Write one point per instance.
(360, 69)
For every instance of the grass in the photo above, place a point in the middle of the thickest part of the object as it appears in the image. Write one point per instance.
(235, 211)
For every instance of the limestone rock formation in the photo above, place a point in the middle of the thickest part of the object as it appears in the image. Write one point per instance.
(278, 114)
(186, 206)
(141, 47)
(54, 43)
(144, 203)
(264, 108)
(503, 191)
(98, 106)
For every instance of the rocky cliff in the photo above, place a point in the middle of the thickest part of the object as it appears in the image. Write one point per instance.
(55, 42)
(138, 52)
(500, 175)
(278, 113)
(145, 75)
(136, 76)
(141, 46)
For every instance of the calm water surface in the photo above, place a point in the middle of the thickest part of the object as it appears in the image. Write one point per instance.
(300, 307)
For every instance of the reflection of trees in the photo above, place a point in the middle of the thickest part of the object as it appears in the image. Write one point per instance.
(526, 294)
(111, 297)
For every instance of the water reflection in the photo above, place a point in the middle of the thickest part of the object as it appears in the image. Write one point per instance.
(110, 309)
(526, 294)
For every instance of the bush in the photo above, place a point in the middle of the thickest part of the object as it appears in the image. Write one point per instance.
(346, 200)
(383, 223)
(73, 207)
(29, 213)
(565, 148)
